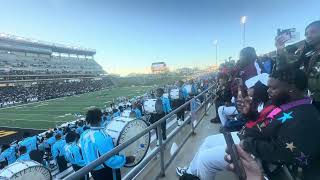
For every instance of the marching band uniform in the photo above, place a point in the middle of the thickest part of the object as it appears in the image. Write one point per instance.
(74, 156)
(50, 141)
(137, 112)
(194, 89)
(95, 142)
(30, 143)
(8, 155)
(157, 116)
(166, 109)
(183, 95)
(116, 114)
(79, 129)
(58, 153)
(24, 157)
(105, 120)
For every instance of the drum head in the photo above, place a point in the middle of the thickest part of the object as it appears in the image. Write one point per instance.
(22, 170)
(140, 147)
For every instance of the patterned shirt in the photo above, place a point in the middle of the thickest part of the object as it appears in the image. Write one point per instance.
(287, 136)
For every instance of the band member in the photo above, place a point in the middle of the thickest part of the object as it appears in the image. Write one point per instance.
(166, 108)
(73, 152)
(37, 155)
(106, 118)
(80, 126)
(8, 155)
(49, 142)
(136, 110)
(139, 104)
(58, 152)
(194, 88)
(29, 141)
(183, 95)
(116, 113)
(24, 156)
(96, 142)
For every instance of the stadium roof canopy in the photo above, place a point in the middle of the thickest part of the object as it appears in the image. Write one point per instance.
(158, 63)
(16, 43)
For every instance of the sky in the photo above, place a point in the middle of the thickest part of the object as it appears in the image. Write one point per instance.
(129, 35)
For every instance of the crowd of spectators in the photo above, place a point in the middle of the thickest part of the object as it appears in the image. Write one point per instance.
(16, 64)
(44, 72)
(271, 107)
(21, 94)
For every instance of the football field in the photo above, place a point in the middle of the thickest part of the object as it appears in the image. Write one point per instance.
(48, 114)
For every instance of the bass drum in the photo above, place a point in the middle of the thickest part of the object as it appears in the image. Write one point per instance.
(22, 170)
(174, 93)
(122, 129)
(151, 105)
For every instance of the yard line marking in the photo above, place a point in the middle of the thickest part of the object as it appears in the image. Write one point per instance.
(62, 116)
(14, 127)
(29, 120)
(27, 114)
(40, 105)
(89, 107)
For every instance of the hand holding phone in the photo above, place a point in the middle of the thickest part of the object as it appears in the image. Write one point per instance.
(251, 167)
(286, 36)
(232, 149)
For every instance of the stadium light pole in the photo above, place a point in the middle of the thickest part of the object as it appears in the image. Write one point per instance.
(243, 22)
(216, 46)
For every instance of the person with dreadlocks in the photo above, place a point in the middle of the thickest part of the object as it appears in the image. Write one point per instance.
(282, 133)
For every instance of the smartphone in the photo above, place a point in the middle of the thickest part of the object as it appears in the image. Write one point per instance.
(289, 35)
(239, 169)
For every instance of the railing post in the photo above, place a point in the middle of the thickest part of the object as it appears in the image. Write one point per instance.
(205, 104)
(192, 112)
(162, 168)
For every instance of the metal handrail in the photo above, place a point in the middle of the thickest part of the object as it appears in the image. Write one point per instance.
(86, 169)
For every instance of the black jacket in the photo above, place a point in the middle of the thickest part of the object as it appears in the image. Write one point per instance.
(291, 137)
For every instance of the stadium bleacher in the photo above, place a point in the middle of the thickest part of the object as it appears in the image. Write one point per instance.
(32, 70)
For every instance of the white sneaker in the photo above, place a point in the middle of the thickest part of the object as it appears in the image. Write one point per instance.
(180, 171)
(158, 143)
(179, 122)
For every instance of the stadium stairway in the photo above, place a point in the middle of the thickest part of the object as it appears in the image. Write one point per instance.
(184, 157)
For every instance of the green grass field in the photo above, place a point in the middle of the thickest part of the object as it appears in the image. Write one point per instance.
(47, 114)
